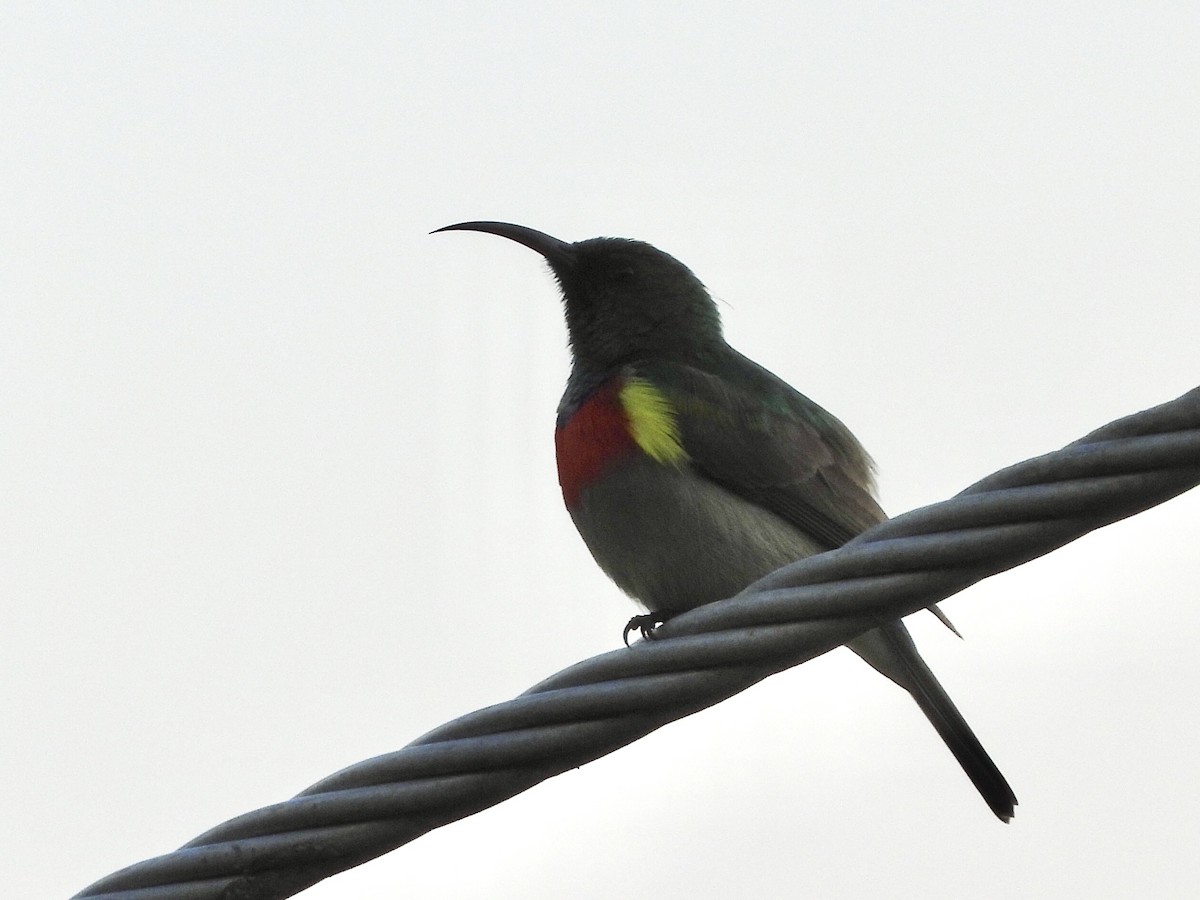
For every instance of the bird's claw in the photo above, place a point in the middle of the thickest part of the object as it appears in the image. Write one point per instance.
(644, 624)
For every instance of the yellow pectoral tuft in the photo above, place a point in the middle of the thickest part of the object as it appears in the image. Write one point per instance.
(652, 421)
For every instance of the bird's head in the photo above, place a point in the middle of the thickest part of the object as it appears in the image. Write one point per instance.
(624, 299)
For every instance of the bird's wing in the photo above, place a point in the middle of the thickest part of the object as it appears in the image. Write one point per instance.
(756, 436)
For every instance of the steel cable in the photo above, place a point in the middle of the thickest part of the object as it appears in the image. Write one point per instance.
(699, 659)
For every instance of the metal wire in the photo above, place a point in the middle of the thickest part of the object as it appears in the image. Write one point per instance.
(700, 658)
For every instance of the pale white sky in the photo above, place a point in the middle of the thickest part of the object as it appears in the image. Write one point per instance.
(277, 468)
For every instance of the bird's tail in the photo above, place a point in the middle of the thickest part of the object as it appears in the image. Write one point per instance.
(891, 650)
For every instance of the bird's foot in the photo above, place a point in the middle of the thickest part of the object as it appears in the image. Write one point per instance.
(644, 624)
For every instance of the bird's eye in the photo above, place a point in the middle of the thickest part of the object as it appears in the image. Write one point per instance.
(624, 275)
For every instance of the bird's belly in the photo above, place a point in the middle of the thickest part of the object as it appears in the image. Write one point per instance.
(673, 540)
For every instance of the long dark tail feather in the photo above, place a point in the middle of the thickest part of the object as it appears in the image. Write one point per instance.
(949, 723)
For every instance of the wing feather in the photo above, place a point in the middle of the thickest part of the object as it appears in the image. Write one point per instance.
(755, 435)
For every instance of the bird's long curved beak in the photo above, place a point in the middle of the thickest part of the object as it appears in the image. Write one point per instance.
(557, 253)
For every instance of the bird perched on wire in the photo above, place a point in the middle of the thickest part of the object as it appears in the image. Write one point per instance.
(691, 471)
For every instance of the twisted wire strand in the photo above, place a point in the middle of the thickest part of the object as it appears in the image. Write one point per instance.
(700, 658)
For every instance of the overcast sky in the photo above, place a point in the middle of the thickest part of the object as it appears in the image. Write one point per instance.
(276, 466)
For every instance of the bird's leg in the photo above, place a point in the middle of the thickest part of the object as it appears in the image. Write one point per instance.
(645, 624)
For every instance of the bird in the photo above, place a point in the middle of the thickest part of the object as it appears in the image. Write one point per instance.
(690, 471)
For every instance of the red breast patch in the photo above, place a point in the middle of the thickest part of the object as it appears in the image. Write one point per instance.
(590, 440)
